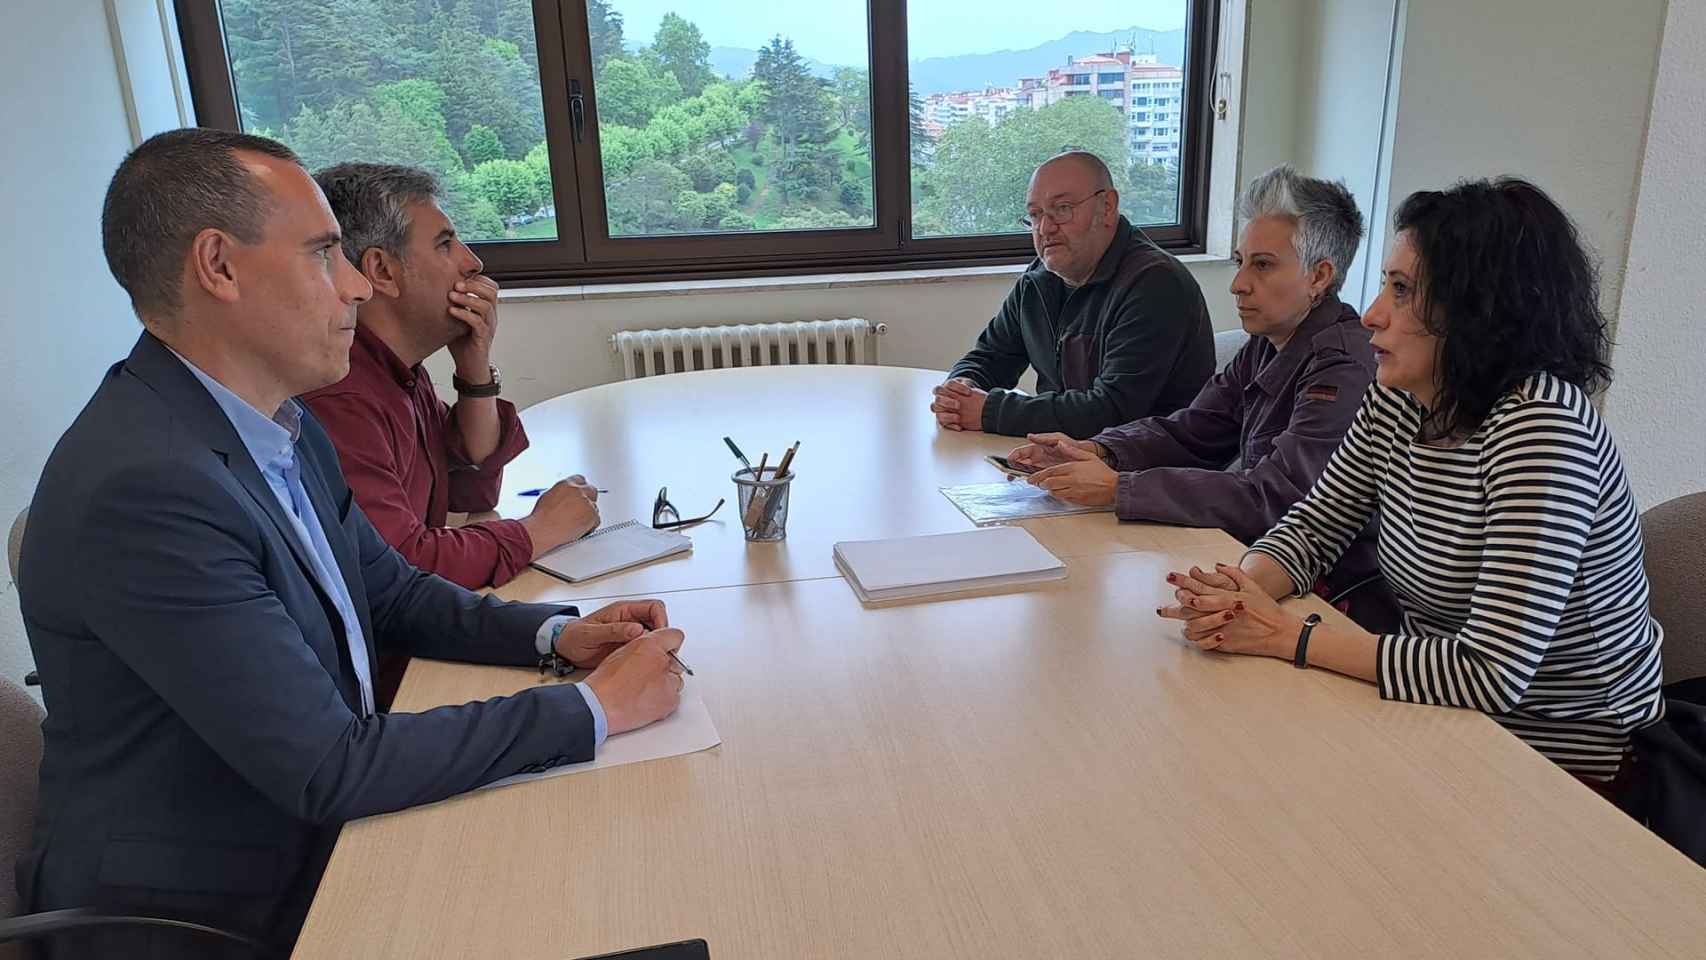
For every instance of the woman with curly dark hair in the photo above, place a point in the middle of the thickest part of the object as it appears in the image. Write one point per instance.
(1507, 529)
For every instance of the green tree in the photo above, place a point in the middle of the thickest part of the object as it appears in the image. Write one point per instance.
(630, 92)
(977, 178)
(679, 48)
(508, 185)
(514, 22)
(799, 113)
(707, 168)
(538, 160)
(719, 203)
(389, 127)
(604, 30)
(622, 149)
(923, 145)
(643, 202)
(485, 81)
(813, 218)
(690, 210)
(852, 91)
(473, 214)
(481, 144)
(420, 100)
(852, 198)
(1152, 193)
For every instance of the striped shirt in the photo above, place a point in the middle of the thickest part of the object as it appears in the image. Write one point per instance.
(1516, 558)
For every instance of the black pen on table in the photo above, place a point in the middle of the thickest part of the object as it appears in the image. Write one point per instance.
(739, 456)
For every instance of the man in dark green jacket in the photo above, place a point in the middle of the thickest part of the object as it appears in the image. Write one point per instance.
(1115, 327)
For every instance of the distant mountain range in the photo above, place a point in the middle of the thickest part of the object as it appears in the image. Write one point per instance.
(974, 71)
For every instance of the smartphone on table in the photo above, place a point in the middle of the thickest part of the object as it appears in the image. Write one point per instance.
(1009, 467)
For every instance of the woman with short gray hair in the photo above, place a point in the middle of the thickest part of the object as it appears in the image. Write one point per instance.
(1260, 432)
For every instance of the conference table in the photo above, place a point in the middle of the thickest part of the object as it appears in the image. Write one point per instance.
(1040, 773)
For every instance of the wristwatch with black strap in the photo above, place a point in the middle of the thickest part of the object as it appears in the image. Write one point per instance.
(478, 390)
(1300, 659)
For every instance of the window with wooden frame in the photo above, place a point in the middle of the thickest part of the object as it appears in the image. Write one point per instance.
(611, 140)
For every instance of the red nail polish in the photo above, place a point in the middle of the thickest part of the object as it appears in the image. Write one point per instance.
(1158, 611)
(1172, 578)
(1239, 606)
(1220, 638)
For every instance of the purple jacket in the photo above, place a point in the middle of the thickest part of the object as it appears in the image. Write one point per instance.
(1255, 439)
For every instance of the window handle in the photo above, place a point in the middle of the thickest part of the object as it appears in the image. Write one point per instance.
(577, 111)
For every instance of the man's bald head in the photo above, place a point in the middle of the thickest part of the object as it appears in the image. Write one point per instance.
(1090, 166)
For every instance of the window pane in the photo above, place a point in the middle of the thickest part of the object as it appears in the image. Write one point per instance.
(449, 86)
(734, 117)
(989, 103)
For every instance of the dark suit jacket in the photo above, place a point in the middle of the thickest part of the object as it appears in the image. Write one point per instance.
(203, 739)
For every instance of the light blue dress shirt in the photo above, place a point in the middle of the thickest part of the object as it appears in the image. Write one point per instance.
(543, 641)
(271, 442)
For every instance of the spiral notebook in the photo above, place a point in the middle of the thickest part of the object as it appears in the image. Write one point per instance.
(612, 548)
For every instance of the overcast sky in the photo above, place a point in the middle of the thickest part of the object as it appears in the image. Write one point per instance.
(834, 30)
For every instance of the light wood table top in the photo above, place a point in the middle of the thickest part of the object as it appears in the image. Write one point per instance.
(1040, 774)
(870, 464)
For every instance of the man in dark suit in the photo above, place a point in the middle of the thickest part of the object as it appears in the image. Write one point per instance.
(205, 600)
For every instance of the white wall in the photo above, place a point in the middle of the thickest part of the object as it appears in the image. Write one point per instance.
(1556, 91)
(1274, 69)
(1653, 406)
(64, 319)
(1346, 47)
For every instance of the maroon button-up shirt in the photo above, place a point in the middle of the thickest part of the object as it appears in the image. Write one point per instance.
(403, 455)
(1255, 439)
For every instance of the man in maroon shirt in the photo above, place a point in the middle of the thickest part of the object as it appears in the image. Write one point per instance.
(408, 457)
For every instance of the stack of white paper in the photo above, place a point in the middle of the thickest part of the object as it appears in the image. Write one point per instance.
(911, 567)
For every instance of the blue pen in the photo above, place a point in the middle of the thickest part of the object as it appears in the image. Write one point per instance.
(536, 491)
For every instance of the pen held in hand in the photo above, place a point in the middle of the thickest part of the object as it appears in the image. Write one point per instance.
(537, 491)
(683, 666)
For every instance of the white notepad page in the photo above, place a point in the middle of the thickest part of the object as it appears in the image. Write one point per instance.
(609, 549)
(688, 730)
(946, 563)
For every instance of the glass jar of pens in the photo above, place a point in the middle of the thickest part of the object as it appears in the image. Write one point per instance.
(763, 495)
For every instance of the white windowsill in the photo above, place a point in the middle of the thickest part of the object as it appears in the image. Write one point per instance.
(810, 281)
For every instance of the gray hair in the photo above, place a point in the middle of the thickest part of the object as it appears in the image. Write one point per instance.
(371, 203)
(1098, 169)
(1328, 225)
(172, 187)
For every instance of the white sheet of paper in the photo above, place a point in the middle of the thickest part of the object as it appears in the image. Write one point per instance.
(688, 730)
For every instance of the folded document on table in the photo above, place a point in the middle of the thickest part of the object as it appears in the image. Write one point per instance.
(911, 567)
